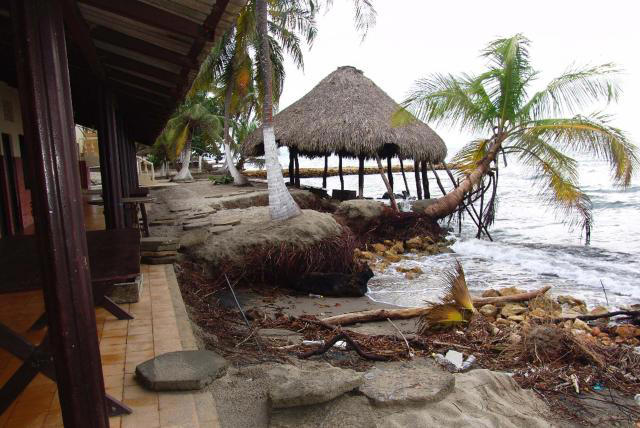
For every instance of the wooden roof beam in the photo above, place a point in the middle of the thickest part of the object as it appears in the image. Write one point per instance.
(115, 60)
(125, 41)
(150, 15)
(80, 34)
(140, 81)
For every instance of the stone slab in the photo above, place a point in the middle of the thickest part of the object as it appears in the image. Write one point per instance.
(181, 370)
(409, 383)
(158, 253)
(158, 260)
(196, 225)
(233, 222)
(127, 292)
(154, 243)
(291, 386)
(171, 222)
(216, 230)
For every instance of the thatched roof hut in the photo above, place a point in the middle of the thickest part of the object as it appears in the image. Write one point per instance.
(348, 114)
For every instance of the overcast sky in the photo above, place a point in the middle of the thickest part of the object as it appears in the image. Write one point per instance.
(414, 38)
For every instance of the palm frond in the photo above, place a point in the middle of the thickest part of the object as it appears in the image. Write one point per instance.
(455, 286)
(589, 134)
(574, 90)
(440, 316)
(445, 98)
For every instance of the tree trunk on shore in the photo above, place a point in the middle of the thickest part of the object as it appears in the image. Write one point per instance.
(340, 172)
(416, 173)
(450, 202)
(324, 174)
(404, 178)
(361, 177)
(281, 203)
(185, 172)
(390, 174)
(392, 197)
(425, 179)
(407, 313)
(238, 178)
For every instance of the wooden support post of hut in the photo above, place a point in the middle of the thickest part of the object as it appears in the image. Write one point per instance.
(297, 170)
(292, 174)
(340, 172)
(361, 176)
(392, 197)
(416, 173)
(324, 173)
(404, 178)
(425, 180)
(390, 174)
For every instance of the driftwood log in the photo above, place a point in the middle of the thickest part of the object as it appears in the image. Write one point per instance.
(522, 297)
(407, 313)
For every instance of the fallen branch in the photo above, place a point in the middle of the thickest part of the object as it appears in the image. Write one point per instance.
(522, 297)
(409, 350)
(346, 338)
(374, 315)
(406, 313)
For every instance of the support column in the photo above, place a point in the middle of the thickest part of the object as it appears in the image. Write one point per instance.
(47, 113)
(340, 172)
(425, 180)
(292, 173)
(324, 173)
(110, 161)
(416, 173)
(390, 173)
(361, 177)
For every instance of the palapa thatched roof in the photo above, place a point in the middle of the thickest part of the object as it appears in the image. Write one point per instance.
(349, 114)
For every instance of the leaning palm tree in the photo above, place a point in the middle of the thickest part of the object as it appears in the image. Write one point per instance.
(194, 116)
(495, 105)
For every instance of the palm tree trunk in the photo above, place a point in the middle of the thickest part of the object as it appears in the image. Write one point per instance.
(324, 173)
(238, 179)
(404, 177)
(416, 173)
(450, 202)
(425, 179)
(281, 204)
(392, 197)
(185, 172)
(340, 172)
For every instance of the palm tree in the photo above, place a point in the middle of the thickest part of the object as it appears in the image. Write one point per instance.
(232, 70)
(533, 129)
(194, 116)
(281, 204)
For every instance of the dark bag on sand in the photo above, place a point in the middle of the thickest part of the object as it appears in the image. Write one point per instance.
(335, 284)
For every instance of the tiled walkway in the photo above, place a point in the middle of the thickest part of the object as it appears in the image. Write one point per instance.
(160, 326)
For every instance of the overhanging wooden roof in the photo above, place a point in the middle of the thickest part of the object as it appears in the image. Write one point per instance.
(148, 51)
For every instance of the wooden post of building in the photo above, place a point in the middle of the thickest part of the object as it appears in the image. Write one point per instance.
(404, 178)
(425, 180)
(392, 197)
(416, 173)
(361, 176)
(292, 175)
(297, 170)
(47, 113)
(109, 153)
(390, 173)
(324, 173)
(340, 172)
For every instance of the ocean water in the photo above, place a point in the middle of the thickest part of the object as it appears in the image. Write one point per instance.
(532, 247)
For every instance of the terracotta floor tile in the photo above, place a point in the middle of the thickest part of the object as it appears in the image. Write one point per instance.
(141, 419)
(53, 419)
(139, 338)
(32, 420)
(115, 422)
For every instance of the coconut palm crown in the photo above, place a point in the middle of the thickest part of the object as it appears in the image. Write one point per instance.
(540, 130)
